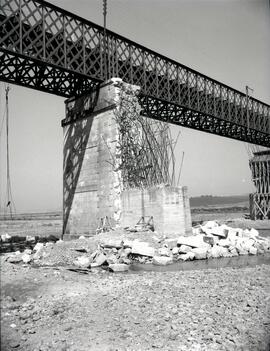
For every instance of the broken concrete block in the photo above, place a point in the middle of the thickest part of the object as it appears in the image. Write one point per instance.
(210, 224)
(27, 251)
(175, 250)
(26, 258)
(5, 238)
(193, 241)
(118, 267)
(184, 249)
(30, 239)
(100, 259)
(164, 251)
(221, 231)
(209, 239)
(233, 234)
(142, 248)
(162, 260)
(252, 233)
(224, 243)
(38, 247)
(253, 251)
(247, 243)
(214, 252)
(112, 244)
(82, 261)
(127, 244)
(200, 253)
(196, 230)
(218, 251)
(111, 259)
(170, 243)
(189, 256)
(233, 252)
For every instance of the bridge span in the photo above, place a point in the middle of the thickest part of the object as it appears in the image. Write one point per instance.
(49, 49)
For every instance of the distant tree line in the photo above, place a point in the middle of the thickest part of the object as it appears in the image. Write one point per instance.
(210, 200)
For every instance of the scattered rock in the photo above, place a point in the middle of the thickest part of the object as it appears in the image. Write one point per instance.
(162, 260)
(142, 248)
(164, 251)
(189, 256)
(184, 249)
(100, 259)
(200, 253)
(5, 238)
(26, 258)
(113, 243)
(118, 267)
(82, 261)
(193, 241)
(38, 247)
(253, 251)
(175, 250)
(30, 239)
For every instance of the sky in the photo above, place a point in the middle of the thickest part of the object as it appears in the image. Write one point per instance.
(227, 40)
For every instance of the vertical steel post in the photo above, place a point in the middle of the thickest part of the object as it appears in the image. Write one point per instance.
(20, 25)
(43, 35)
(105, 38)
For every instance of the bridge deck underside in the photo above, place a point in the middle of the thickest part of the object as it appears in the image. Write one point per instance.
(48, 49)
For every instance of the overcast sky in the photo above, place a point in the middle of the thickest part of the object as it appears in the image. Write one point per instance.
(225, 39)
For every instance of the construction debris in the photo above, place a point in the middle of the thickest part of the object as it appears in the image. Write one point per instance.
(210, 240)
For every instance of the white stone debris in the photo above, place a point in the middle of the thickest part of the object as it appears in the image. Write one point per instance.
(5, 238)
(26, 258)
(142, 248)
(112, 243)
(189, 256)
(82, 261)
(38, 247)
(164, 251)
(30, 239)
(162, 260)
(196, 241)
(118, 267)
(184, 249)
(200, 253)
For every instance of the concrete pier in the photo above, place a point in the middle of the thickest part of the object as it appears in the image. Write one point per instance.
(92, 185)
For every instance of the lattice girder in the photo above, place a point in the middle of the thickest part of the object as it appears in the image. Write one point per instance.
(36, 30)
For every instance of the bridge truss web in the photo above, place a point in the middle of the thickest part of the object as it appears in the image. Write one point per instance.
(49, 49)
(260, 200)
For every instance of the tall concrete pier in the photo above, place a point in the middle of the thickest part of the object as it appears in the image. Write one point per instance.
(92, 181)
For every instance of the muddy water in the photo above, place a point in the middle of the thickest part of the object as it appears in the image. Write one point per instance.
(234, 262)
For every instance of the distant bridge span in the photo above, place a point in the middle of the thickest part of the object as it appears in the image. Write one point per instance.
(49, 49)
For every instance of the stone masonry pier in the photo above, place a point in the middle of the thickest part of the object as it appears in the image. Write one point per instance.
(92, 184)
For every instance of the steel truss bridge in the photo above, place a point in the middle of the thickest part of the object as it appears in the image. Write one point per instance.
(49, 49)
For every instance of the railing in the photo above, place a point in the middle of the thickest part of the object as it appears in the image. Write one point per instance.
(44, 32)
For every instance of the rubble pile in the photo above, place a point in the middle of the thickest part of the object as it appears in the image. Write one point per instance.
(207, 241)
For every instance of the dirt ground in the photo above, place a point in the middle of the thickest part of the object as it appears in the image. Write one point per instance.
(56, 309)
(52, 308)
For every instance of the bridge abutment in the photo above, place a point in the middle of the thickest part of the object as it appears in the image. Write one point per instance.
(93, 179)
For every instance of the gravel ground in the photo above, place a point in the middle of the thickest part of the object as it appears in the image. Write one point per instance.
(214, 309)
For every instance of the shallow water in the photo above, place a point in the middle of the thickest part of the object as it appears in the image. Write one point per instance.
(214, 263)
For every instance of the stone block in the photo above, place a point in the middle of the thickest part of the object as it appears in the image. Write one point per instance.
(200, 253)
(142, 248)
(162, 260)
(193, 241)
